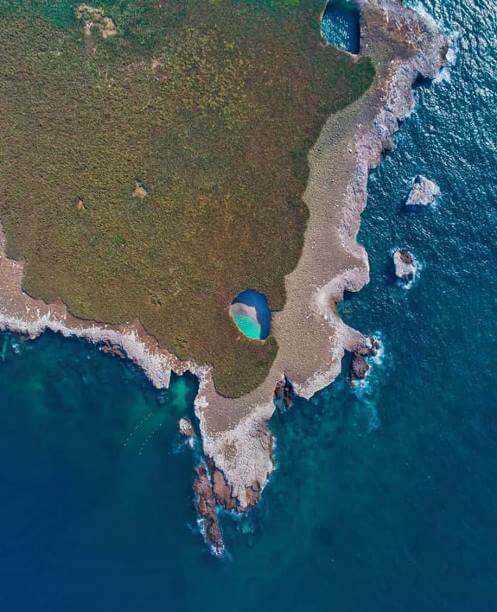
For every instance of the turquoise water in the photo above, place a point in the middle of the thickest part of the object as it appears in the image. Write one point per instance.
(384, 499)
(247, 326)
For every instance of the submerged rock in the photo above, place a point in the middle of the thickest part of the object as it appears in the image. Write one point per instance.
(423, 193)
(405, 266)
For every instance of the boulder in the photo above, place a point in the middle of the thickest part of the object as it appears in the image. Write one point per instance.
(139, 191)
(423, 193)
(405, 266)
(185, 427)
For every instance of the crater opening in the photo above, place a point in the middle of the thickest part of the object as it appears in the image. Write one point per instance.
(251, 314)
(341, 25)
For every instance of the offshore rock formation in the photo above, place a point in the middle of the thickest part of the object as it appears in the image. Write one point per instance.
(206, 506)
(311, 337)
(185, 427)
(359, 369)
(405, 266)
(359, 365)
(423, 193)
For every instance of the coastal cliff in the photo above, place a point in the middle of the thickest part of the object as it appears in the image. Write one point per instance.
(312, 339)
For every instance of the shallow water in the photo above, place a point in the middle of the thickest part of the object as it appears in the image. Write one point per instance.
(384, 499)
(341, 25)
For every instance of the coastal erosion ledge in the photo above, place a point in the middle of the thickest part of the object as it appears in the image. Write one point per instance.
(312, 339)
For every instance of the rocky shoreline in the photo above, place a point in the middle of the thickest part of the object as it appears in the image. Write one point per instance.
(312, 339)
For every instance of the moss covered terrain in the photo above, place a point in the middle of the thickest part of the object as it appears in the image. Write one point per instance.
(156, 172)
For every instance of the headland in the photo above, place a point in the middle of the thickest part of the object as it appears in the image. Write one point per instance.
(309, 338)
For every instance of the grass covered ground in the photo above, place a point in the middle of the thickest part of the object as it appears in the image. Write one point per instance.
(210, 109)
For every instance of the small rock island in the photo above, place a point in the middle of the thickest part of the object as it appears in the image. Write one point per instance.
(423, 193)
(405, 265)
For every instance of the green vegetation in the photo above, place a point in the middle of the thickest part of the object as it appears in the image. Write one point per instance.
(211, 107)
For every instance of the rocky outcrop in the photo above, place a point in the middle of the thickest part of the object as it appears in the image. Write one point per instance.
(185, 427)
(359, 369)
(95, 19)
(359, 365)
(139, 191)
(405, 266)
(206, 507)
(223, 493)
(423, 193)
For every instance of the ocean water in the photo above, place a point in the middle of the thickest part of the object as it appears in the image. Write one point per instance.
(384, 499)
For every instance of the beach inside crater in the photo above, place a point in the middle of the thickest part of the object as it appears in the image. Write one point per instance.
(251, 314)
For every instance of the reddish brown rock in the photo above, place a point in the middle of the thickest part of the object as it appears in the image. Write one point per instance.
(368, 347)
(405, 266)
(223, 492)
(359, 368)
(206, 506)
(253, 494)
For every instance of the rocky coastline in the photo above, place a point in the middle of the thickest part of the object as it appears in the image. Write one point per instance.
(312, 339)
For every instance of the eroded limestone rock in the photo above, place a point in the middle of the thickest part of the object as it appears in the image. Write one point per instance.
(359, 365)
(185, 427)
(405, 266)
(423, 193)
(206, 506)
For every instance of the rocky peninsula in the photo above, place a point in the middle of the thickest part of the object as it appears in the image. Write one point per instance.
(311, 338)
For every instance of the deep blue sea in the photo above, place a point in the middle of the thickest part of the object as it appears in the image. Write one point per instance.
(385, 499)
